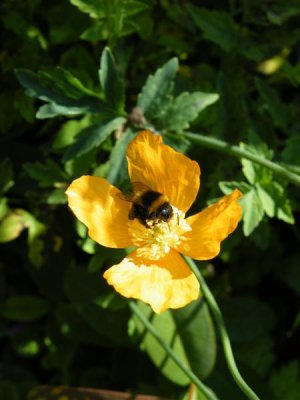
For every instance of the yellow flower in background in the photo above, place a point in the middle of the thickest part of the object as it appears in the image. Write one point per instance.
(155, 272)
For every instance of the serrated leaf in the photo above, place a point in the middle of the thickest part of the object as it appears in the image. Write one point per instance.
(218, 27)
(275, 202)
(46, 174)
(190, 334)
(157, 89)
(52, 110)
(67, 132)
(62, 90)
(253, 171)
(185, 108)
(111, 82)
(228, 187)
(249, 170)
(253, 211)
(91, 137)
(117, 162)
(24, 308)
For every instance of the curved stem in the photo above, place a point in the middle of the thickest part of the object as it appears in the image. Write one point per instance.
(215, 310)
(238, 152)
(207, 392)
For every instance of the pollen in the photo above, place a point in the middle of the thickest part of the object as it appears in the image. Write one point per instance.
(156, 241)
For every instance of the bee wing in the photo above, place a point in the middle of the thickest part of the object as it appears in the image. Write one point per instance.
(126, 196)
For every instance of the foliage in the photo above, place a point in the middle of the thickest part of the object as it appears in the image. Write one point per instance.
(78, 79)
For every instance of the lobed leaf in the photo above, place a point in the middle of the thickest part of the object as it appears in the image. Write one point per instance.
(111, 82)
(253, 211)
(217, 26)
(91, 137)
(185, 108)
(157, 89)
(61, 89)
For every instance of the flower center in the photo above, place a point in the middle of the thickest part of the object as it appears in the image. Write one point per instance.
(160, 236)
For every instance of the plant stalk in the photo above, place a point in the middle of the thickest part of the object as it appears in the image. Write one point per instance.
(206, 391)
(216, 312)
(224, 147)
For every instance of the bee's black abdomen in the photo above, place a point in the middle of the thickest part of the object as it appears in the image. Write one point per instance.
(149, 197)
(139, 212)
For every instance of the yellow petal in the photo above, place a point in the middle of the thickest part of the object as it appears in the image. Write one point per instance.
(166, 283)
(210, 227)
(163, 169)
(97, 204)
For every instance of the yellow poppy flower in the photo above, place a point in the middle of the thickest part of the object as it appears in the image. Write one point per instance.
(155, 272)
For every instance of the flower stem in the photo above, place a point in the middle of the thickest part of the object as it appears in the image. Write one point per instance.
(215, 310)
(206, 391)
(224, 147)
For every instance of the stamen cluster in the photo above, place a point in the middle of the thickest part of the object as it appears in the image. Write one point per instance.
(156, 241)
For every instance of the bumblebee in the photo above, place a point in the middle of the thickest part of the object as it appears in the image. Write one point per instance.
(148, 206)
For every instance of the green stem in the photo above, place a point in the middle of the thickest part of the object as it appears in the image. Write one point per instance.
(223, 332)
(238, 152)
(207, 392)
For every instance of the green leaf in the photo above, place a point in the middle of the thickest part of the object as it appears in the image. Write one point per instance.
(273, 198)
(67, 132)
(117, 162)
(196, 330)
(12, 226)
(257, 353)
(188, 331)
(111, 82)
(8, 390)
(247, 318)
(253, 211)
(6, 176)
(218, 27)
(24, 308)
(285, 382)
(155, 93)
(91, 137)
(274, 105)
(249, 170)
(95, 8)
(253, 171)
(185, 108)
(46, 174)
(88, 292)
(58, 196)
(4, 209)
(64, 92)
(291, 150)
(228, 187)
